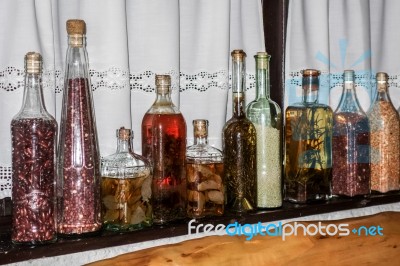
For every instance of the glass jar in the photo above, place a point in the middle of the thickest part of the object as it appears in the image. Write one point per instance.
(266, 116)
(308, 145)
(78, 187)
(204, 173)
(125, 187)
(239, 142)
(385, 138)
(351, 172)
(164, 144)
(33, 138)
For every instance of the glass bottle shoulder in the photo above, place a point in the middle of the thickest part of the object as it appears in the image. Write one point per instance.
(203, 153)
(303, 106)
(125, 164)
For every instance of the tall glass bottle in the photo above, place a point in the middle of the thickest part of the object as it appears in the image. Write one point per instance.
(78, 188)
(34, 137)
(204, 173)
(164, 143)
(266, 116)
(239, 140)
(385, 134)
(308, 145)
(126, 187)
(350, 144)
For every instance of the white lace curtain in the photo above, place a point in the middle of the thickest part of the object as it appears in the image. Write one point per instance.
(128, 42)
(334, 35)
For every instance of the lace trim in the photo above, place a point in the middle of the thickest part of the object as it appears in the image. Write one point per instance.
(5, 181)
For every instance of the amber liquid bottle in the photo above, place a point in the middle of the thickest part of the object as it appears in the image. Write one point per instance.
(240, 148)
(164, 145)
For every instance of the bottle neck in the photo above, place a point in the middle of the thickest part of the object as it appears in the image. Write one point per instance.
(382, 94)
(262, 79)
(124, 146)
(238, 85)
(77, 58)
(198, 140)
(349, 101)
(310, 86)
(33, 98)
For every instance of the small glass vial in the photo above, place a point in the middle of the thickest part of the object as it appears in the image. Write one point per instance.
(385, 139)
(126, 187)
(34, 137)
(204, 173)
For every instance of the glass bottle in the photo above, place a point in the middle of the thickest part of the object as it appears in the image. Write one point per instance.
(34, 137)
(164, 143)
(351, 172)
(125, 187)
(239, 141)
(266, 116)
(308, 145)
(204, 173)
(385, 134)
(78, 187)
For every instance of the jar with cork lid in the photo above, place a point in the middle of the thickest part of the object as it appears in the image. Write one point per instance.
(33, 138)
(125, 187)
(78, 186)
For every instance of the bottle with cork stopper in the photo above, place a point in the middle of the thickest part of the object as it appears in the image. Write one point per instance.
(78, 186)
(33, 140)
(164, 145)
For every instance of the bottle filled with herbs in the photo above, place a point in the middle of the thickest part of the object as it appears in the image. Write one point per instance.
(125, 187)
(204, 173)
(33, 141)
(351, 172)
(240, 147)
(164, 143)
(78, 187)
(385, 139)
(308, 145)
(266, 116)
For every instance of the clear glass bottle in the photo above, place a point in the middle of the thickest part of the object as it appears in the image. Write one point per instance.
(164, 144)
(78, 187)
(385, 134)
(33, 138)
(204, 173)
(351, 172)
(266, 116)
(125, 187)
(308, 145)
(239, 141)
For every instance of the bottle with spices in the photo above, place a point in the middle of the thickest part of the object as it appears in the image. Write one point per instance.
(164, 143)
(350, 144)
(308, 145)
(266, 116)
(125, 187)
(239, 141)
(78, 188)
(204, 173)
(385, 138)
(33, 138)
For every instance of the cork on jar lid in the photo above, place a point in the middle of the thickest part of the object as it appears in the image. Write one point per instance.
(76, 26)
(124, 133)
(381, 76)
(33, 62)
(238, 55)
(348, 75)
(163, 81)
(200, 128)
(310, 72)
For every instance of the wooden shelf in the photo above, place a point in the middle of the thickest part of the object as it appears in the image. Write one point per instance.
(10, 253)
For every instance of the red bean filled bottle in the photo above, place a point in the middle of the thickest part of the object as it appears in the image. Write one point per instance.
(34, 137)
(164, 144)
(78, 187)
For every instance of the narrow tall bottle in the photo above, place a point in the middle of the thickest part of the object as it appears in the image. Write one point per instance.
(266, 116)
(308, 145)
(34, 137)
(164, 144)
(351, 172)
(78, 188)
(385, 139)
(240, 147)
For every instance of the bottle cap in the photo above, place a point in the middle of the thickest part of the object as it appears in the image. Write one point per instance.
(76, 26)
(238, 55)
(124, 133)
(310, 72)
(33, 63)
(348, 75)
(262, 59)
(200, 128)
(381, 76)
(163, 83)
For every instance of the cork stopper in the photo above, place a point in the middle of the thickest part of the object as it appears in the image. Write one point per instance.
(262, 59)
(348, 75)
(33, 63)
(310, 72)
(76, 26)
(238, 55)
(163, 83)
(200, 128)
(382, 77)
(124, 133)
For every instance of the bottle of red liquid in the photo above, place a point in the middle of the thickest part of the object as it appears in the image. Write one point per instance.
(78, 187)
(164, 145)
